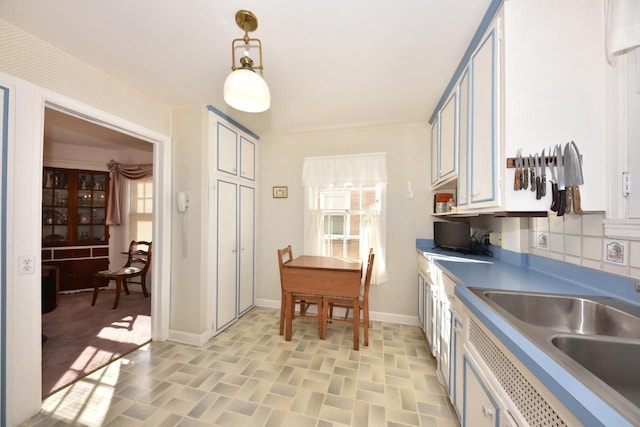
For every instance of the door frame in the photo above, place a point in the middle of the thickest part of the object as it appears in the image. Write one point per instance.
(160, 270)
(22, 382)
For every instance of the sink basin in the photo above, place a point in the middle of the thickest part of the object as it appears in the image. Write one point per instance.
(614, 362)
(576, 314)
(596, 339)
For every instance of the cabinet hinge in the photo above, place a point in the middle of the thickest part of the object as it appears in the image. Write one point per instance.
(626, 184)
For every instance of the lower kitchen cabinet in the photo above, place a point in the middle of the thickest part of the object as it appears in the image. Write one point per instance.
(480, 408)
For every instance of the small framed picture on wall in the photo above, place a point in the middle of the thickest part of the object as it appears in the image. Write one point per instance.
(280, 192)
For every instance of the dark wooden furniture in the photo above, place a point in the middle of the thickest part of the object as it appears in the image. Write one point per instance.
(363, 304)
(75, 237)
(326, 276)
(285, 256)
(138, 263)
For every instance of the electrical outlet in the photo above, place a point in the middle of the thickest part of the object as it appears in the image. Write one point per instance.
(26, 264)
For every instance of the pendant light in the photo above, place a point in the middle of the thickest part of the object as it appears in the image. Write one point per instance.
(244, 88)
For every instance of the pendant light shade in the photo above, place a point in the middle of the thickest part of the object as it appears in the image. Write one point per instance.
(245, 90)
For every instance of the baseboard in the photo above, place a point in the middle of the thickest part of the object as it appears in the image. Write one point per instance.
(400, 319)
(197, 340)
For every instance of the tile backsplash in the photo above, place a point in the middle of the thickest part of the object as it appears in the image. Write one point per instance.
(580, 240)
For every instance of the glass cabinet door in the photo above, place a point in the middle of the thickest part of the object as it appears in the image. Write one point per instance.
(55, 207)
(73, 207)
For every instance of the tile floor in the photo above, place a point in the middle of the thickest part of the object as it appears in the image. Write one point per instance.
(250, 376)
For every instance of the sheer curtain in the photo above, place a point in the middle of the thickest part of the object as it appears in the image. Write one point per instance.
(358, 170)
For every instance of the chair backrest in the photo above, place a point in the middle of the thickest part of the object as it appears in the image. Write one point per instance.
(140, 253)
(367, 277)
(285, 255)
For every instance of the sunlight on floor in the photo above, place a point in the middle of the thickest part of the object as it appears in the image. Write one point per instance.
(87, 401)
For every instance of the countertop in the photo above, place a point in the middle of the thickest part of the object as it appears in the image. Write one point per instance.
(535, 274)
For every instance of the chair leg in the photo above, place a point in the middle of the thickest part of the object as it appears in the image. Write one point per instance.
(144, 286)
(96, 284)
(118, 288)
(124, 285)
(365, 315)
(282, 308)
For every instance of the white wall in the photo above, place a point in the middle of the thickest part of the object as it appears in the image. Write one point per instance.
(280, 221)
(189, 229)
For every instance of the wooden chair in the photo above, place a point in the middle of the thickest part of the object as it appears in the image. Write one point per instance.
(285, 255)
(138, 263)
(363, 306)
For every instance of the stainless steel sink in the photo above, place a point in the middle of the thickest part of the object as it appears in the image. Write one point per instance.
(582, 315)
(614, 362)
(597, 339)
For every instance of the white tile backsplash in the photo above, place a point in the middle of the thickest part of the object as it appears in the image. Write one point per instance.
(572, 245)
(573, 224)
(592, 248)
(579, 240)
(589, 263)
(556, 223)
(556, 242)
(634, 254)
(592, 224)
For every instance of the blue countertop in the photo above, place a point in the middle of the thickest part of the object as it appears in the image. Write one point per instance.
(522, 272)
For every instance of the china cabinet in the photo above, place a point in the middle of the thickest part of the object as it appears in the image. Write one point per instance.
(75, 237)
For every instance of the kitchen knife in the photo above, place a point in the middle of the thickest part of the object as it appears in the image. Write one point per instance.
(543, 172)
(538, 182)
(517, 180)
(575, 179)
(568, 177)
(532, 172)
(525, 173)
(554, 182)
(561, 188)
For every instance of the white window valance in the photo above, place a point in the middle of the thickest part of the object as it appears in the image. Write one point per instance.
(356, 169)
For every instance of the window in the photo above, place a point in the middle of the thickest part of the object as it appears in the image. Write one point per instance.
(342, 216)
(345, 207)
(141, 209)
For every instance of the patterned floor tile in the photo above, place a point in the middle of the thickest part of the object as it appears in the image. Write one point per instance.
(249, 375)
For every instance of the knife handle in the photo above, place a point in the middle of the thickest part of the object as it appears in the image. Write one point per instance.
(538, 188)
(517, 180)
(569, 200)
(577, 202)
(543, 188)
(561, 202)
(555, 197)
(525, 178)
(533, 180)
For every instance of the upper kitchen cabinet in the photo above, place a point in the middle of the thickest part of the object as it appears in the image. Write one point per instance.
(444, 142)
(535, 76)
(236, 152)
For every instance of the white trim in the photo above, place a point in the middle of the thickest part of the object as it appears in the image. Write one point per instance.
(24, 373)
(197, 340)
(627, 229)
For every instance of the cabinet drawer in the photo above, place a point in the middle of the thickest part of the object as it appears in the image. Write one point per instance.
(72, 253)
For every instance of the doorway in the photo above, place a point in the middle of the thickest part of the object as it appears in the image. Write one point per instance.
(81, 338)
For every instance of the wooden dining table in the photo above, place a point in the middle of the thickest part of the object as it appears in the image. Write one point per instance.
(326, 276)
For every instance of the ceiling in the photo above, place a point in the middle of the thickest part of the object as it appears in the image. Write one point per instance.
(329, 64)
